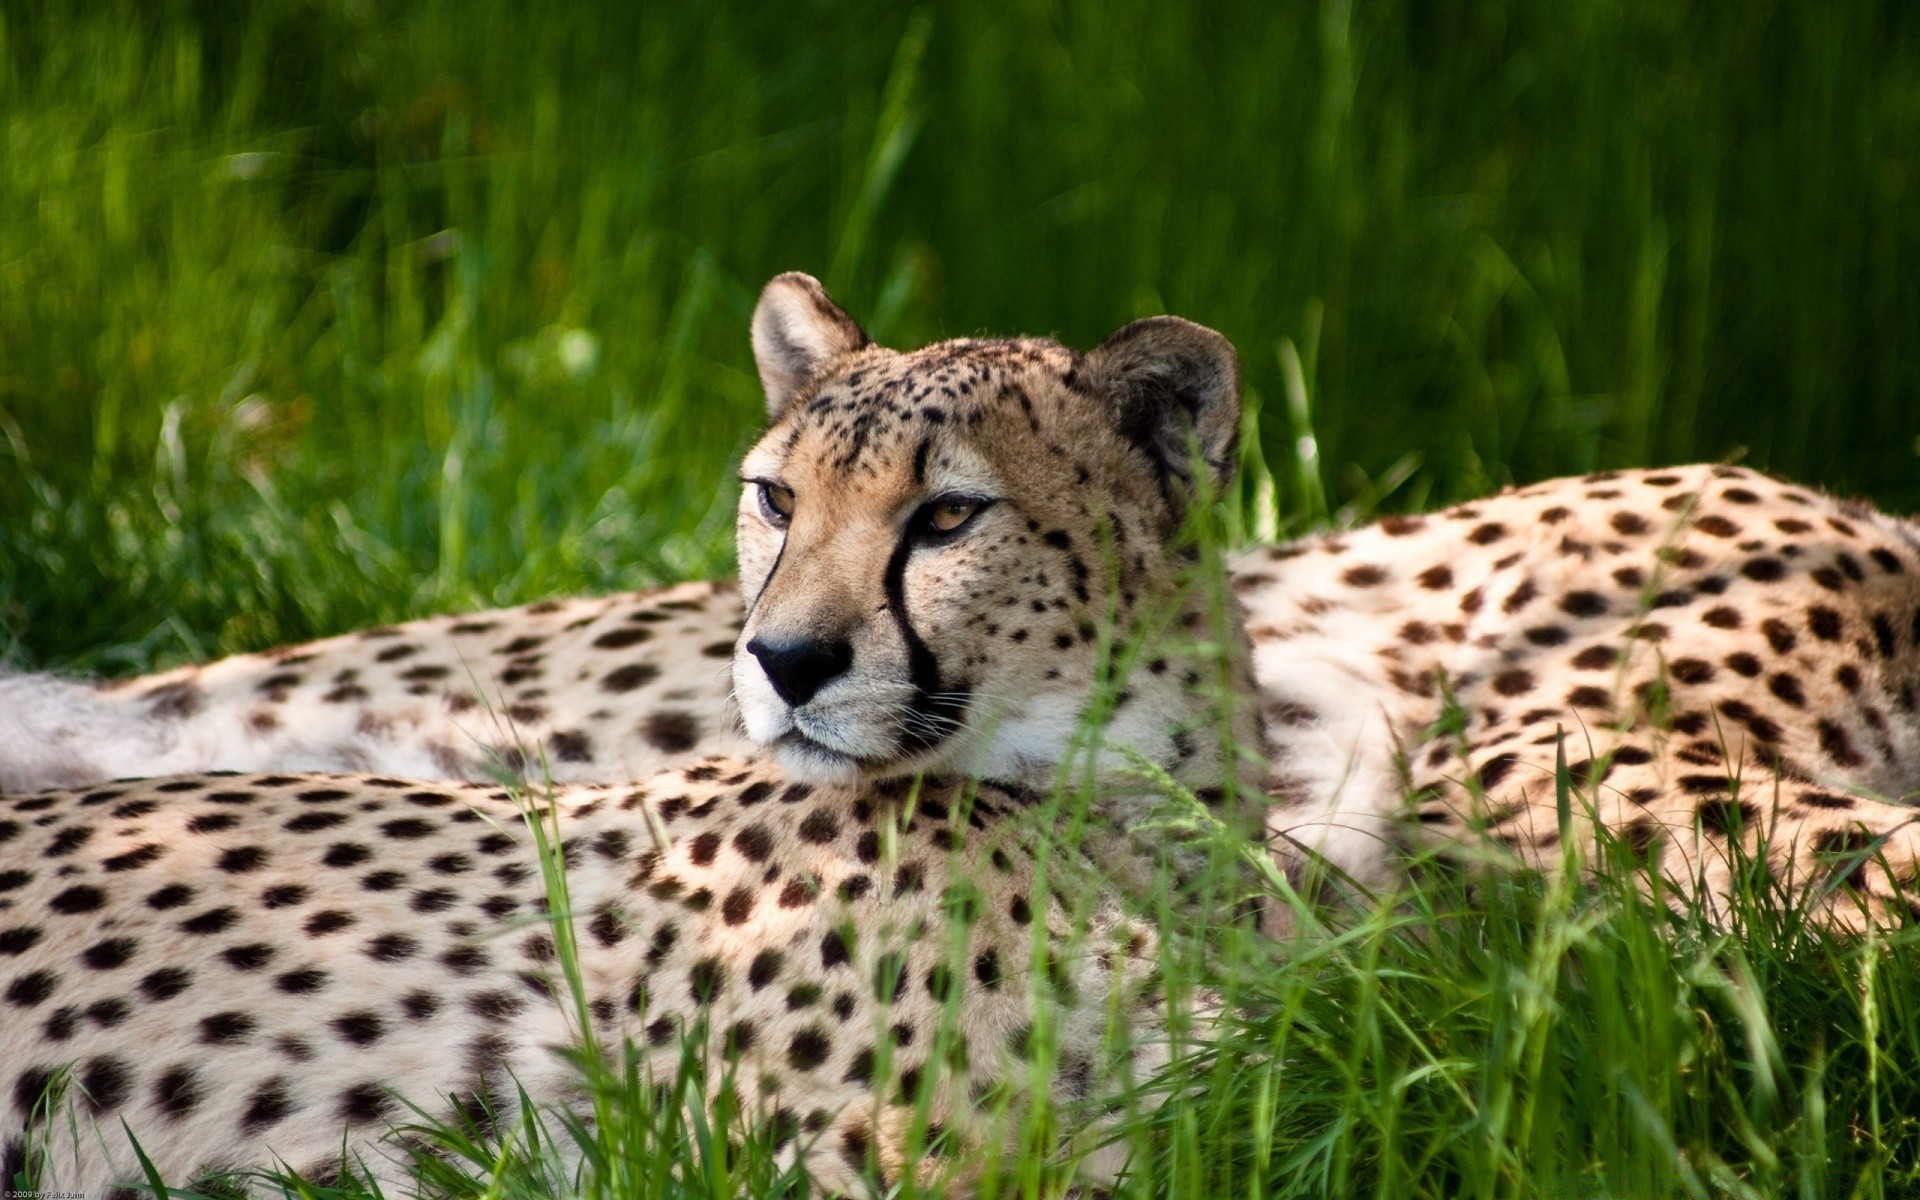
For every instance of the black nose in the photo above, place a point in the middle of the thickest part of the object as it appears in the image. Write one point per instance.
(799, 669)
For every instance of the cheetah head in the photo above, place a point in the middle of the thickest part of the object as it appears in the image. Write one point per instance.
(930, 540)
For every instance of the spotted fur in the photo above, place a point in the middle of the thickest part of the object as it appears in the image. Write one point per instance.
(1776, 626)
(1724, 657)
(611, 688)
(236, 965)
(240, 966)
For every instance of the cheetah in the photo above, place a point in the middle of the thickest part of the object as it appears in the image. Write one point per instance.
(615, 688)
(242, 966)
(868, 923)
(1716, 656)
(1684, 633)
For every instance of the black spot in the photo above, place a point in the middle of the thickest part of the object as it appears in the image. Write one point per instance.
(284, 895)
(327, 921)
(392, 947)
(111, 953)
(267, 1106)
(737, 907)
(312, 821)
(346, 854)
(303, 982)
(1690, 670)
(1788, 689)
(1583, 604)
(1513, 682)
(242, 859)
(860, 1070)
(18, 939)
(706, 980)
(621, 638)
(1838, 746)
(61, 1024)
(362, 1028)
(1723, 816)
(433, 900)
(754, 843)
(32, 988)
(214, 920)
(495, 1006)
(819, 827)
(68, 840)
(81, 898)
(1883, 635)
(177, 1092)
(364, 1103)
(249, 957)
(106, 1082)
(808, 1049)
(1722, 617)
(1826, 800)
(986, 969)
(833, 950)
(672, 732)
(702, 850)
(1589, 697)
(629, 677)
(166, 983)
(407, 828)
(1497, 768)
(225, 1027)
(135, 859)
(465, 960)
(765, 968)
(1742, 663)
(1825, 623)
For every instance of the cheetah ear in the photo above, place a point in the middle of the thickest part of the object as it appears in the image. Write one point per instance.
(798, 329)
(1169, 379)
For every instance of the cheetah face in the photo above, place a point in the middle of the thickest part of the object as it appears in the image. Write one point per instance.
(929, 541)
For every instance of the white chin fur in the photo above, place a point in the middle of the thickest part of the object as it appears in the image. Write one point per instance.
(808, 764)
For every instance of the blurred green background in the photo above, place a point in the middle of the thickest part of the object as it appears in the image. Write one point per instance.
(315, 313)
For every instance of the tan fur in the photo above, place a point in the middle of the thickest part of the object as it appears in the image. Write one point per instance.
(1724, 654)
(241, 966)
(236, 965)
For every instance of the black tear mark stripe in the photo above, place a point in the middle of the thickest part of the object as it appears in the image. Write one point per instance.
(768, 581)
(939, 711)
(920, 462)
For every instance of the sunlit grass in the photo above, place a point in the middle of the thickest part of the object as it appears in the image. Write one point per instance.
(323, 313)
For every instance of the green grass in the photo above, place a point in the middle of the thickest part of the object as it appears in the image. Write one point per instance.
(322, 313)
(316, 313)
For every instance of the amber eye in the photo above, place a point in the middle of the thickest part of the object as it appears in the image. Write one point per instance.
(949, 513)
(776, 503)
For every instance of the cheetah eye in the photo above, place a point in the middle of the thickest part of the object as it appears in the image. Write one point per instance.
(946, 514)
(776, 504)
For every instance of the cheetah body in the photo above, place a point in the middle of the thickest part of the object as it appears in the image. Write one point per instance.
(613, 688)
(237, 965)
(1804, 676)
(1710, 652)
(1715, 654)
(240, 967)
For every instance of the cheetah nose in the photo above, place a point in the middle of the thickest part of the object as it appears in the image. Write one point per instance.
(799, 669)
